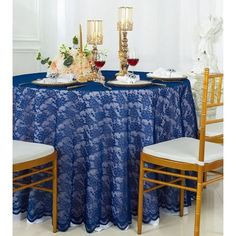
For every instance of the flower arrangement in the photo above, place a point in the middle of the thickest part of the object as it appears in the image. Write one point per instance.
(68, 60)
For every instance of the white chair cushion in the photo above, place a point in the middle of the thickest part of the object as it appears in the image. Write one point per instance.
(27, 151)
(185, 150)
(214, 129)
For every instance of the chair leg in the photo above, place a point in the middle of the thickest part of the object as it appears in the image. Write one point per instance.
(181, 197)
(204, 178)
(140, 197)
(54, 204)
(198, 203)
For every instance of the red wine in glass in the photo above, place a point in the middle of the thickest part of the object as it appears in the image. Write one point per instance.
(99, 64)
(133, 61)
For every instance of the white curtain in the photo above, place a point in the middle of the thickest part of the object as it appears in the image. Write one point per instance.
(164, 33)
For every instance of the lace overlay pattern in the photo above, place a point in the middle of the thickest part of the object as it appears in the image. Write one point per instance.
(99, 136)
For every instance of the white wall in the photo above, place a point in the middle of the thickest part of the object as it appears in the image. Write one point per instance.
(163, 31)
(26, 35)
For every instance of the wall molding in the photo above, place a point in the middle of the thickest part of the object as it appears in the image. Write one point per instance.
(28, 50)
(25, 38)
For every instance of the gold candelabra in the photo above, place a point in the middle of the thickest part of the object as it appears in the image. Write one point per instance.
(94, 37)
(82, 60)
(124, 24)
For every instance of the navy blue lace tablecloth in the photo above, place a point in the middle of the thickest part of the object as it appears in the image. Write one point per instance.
(99, 134)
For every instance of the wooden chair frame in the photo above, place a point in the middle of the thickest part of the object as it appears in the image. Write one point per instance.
(162, 164)
(214, 96)
(51, 171)
(215, 101)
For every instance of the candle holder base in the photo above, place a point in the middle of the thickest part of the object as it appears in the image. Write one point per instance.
(93, 75)
(121, 73)
(123, 55)
(83, 69)
(82, 79)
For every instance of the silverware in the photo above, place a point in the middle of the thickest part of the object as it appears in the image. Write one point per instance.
(158, 84)
(173, 81)
(24, 83)
(170, 81)
(76, 86)
(105, 86)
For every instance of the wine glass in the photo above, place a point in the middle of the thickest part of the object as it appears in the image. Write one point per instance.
(133, 58)
(99, 61)
(171, 71)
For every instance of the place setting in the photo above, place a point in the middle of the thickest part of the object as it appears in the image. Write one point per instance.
(166, 75)
(76, 66)
(130, 79)
(106, 131)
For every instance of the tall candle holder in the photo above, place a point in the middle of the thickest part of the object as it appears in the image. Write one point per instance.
(94, 38)
(82, 59)
(124, 24)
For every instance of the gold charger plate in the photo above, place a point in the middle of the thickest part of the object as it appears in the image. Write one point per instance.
(139, 83)
(49, 82)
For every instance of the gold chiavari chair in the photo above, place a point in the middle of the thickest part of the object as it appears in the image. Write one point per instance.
(183, 154)
(214, 127)
(31, 156)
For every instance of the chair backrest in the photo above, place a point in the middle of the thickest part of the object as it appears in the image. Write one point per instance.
(211, 97)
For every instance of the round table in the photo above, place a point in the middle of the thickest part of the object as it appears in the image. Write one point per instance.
(99, 134)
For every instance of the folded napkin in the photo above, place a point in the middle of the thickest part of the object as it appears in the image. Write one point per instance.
(67, 78)
(166, 73)
(63, 78)
(129, 79)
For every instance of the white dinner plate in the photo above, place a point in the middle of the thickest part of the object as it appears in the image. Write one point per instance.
(150, 75)
(139, 83)
(53, 82)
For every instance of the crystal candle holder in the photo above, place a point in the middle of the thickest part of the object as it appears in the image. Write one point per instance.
(94, 32)
(125, 22)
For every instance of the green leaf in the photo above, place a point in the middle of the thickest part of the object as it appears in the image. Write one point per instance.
(68, 61)
(38, 56)
(44, 61)
(65, 55)
(75, 40)
(87, 52)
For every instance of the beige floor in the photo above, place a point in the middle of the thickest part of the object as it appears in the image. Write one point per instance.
(211, 222)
